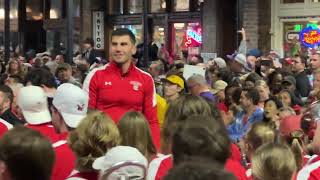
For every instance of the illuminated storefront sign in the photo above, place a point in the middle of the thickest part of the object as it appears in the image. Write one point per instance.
(193, 37)
(299, 27)
(98, 29)
(310, 36)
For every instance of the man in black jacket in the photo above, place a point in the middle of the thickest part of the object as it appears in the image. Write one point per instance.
(89, 53)
(303, 86)
(6, 99)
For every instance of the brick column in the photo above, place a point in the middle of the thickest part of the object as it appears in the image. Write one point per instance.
(264, 25)
(251, 22)
(210, 39)
(86, 20)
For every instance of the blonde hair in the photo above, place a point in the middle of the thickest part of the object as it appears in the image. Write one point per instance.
(273, 161)
(135, 132)
(259, 134)
(297, 151)
(9, 71)
(92, 138)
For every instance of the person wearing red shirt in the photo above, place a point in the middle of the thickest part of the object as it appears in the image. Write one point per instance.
(4, 127)
(25, 154)
(69, 107)
(205, 137)
(120, 86)
(34, 106)
(311, 171)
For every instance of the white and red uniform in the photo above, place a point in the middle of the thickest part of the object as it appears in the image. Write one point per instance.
(235, 153)
(65, 159)
(159, 167)
(236, 169)
(115, 93)
(76, 175)
(311, 171)
(46, 130)
(4, 127)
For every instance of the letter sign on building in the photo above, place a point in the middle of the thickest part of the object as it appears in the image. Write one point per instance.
(310, 37)
(98, 29)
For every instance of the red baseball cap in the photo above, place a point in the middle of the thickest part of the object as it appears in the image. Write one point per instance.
(290, 124)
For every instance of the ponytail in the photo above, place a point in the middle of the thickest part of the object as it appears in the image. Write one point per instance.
(297, 152)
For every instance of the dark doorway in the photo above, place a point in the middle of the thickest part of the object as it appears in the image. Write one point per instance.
(35, 36)
(229, 23)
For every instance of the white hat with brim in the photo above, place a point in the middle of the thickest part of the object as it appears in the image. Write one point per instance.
(72, 120)
(241, 59)
(72, 103)
(33, 103)
(219, 86)
(36, 118)
(119, 154)
(221, 63)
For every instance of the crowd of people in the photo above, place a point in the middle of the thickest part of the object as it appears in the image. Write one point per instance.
(254, 115)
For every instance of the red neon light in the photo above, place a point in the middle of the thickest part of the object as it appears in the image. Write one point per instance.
(311, 37)
(193, 37)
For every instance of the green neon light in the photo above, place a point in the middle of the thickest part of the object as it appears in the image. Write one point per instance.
(298, 27)
(313, 25)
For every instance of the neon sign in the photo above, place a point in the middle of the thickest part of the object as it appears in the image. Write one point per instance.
(310, 37)
(193, 38)
(194, 35)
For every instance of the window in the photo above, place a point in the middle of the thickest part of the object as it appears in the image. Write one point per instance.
(13, 24)
(158, 5)
(181, 5)
(76, 11)
(158, 36)
(291, 1)
(135, 6)
(137, 30)
(34, 9)
(291, 39)
(186, 35)
(55, 9)
(116, 6)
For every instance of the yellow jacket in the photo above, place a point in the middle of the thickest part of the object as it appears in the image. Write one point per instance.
(161, 108)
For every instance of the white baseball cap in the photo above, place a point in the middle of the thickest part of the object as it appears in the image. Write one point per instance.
(241, 59)
(72, 102)
(221, 63)
(33, 102)
(123, 156)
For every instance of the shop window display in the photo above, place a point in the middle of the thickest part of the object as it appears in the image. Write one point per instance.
(158, 5)
(13, 25)
(292, 37)
(135, 6)
(34, 9)
(187, 35)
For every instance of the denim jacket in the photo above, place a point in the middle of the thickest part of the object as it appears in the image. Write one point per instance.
(237, 129)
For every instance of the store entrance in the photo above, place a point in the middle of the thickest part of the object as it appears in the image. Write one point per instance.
(35, 36)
